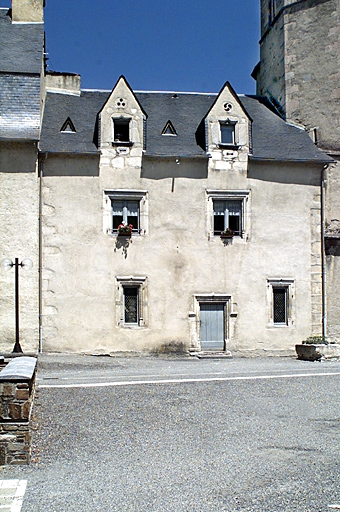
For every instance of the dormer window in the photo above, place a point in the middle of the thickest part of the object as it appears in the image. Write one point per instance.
(121, 131)
(227, 130)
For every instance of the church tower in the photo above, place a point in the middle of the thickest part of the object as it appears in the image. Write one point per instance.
(299, 66)
(299, 71)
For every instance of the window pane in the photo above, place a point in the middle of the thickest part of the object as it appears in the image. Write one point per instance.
(116, 221)
(133, 214)
(234, 224)
(117, 207)
(227, 133)
(218, 224)
(280, 305)
(131, 305)
(234, 207)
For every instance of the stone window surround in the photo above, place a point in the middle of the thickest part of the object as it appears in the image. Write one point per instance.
(289, 285)
(237, 195)
(137, 195)
(139, 282)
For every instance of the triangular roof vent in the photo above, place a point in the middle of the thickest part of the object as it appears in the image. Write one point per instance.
(169, 129)
(68, 126)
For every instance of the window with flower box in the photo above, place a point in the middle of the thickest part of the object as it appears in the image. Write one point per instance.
(228, 215)
(125, 207)
(228, 211)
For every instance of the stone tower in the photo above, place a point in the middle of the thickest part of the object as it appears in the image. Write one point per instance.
(299, 71)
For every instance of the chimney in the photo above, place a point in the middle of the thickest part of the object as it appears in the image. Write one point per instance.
(28, 11)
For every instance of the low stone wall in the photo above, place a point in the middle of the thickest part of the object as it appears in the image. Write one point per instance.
(17, 380)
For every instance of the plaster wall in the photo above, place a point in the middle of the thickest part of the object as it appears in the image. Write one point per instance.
(19, 239)
(176, 257)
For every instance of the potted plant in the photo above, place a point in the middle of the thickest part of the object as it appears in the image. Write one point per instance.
(227, 233)
(315, 348)
(125, 229)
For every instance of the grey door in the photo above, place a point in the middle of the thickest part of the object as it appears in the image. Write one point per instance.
(212, 326)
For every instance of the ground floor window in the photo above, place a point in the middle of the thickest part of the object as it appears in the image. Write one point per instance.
(131, 301)
(280, 301)
(280, 305)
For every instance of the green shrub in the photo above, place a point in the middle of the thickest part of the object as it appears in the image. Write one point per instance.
(316, 340)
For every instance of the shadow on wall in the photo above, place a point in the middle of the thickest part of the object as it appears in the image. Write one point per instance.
(294, 173)
(174, 167)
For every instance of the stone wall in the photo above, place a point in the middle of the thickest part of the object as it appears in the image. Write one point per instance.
(16, 400)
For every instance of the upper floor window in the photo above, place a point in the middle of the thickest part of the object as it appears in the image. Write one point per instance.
(128, 207)
(127, 212)
(228, 215)
(228, 133)
(228, 210)
(121, 130)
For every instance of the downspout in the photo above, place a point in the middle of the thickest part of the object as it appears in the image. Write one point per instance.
(40, 253)
(323, 256)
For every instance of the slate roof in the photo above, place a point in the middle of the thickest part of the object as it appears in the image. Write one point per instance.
(272, 138)
(19, 107)
(21, 45)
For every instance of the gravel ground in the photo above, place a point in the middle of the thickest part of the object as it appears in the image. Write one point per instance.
(264, 445)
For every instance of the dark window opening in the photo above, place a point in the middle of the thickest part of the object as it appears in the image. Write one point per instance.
(131, 305)
(68, 126)
(169, 129)
(280, 296)
(121, 129)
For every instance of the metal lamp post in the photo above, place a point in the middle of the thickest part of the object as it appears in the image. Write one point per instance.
(27, 264)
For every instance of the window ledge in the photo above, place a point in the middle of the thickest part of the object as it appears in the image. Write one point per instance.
(113, 232)
(122, 144)
(233, 147)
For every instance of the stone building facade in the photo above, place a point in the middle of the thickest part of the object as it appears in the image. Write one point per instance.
(225, 199)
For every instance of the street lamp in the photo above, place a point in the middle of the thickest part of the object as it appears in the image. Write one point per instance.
(7, 264)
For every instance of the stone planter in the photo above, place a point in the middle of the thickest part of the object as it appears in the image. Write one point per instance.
(317, 352)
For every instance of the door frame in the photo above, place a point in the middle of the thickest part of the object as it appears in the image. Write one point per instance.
(210, 298)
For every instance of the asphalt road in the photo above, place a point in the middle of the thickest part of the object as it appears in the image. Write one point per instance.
(141, 434)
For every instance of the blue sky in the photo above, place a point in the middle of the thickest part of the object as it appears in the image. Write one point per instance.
(182, 45)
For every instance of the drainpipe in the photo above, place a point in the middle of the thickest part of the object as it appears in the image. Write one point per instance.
(40, 170)
(323, 256)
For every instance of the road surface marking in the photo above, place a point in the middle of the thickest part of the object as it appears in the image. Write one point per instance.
(180, 381)
(12, 494)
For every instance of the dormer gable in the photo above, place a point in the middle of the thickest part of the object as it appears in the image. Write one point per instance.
(122, 118)
(227, 123)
